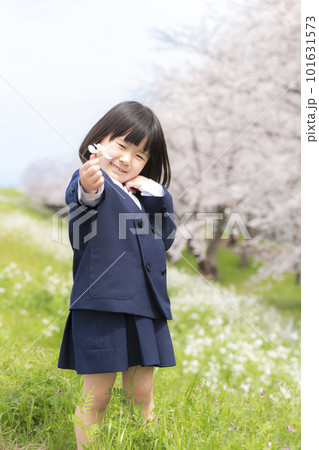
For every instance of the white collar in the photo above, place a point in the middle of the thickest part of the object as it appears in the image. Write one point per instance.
(117, 182)
(121, 185)
(133, 197)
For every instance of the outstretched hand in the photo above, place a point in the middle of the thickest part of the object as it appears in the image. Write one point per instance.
(91, 177)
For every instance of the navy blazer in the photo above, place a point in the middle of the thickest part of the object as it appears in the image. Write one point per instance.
(119, 260)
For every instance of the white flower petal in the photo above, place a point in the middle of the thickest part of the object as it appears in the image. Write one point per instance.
(92, 149)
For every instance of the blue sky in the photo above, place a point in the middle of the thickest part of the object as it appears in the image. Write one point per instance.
(65, 63)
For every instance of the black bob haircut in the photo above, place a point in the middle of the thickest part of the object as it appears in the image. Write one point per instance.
(137, 122)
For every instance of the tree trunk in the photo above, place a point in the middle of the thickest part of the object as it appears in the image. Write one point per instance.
(244, 256)
(208, 266)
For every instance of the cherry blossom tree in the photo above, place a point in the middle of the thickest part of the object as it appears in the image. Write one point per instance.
(231, 115)
(45, 179)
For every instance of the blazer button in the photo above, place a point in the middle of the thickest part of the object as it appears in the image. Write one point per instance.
(140, 223)
(71, 190)
(148, 267)
(163, 209)
(153, 230)
(164, 272)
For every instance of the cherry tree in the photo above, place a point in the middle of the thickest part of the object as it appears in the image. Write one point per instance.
(231, 117)
(45, 179)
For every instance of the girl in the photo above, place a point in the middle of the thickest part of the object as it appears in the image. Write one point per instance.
(121, 223)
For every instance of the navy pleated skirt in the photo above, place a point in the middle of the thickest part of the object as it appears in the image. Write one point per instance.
(101, 342)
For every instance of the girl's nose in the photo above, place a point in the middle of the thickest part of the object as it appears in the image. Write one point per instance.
(125, 158)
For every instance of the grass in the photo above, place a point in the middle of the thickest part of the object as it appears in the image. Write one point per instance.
(284, 295)
(12, 199)
(37, 407)
(230, 388)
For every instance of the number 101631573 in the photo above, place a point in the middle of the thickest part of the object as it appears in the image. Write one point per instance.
(311, 49)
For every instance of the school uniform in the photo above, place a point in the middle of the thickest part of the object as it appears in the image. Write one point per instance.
(119, 304)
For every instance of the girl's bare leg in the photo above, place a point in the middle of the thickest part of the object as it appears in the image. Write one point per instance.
(138, 381)
(99, 385)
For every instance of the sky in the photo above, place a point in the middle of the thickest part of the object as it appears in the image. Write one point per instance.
(66, 63)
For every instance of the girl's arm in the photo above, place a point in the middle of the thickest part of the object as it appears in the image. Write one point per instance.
(77, 214)
(90, 200)
(150, 187)
(161, 215)
(71, 193)
(159, 207)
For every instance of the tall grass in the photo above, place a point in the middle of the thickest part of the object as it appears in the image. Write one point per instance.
(236, 383)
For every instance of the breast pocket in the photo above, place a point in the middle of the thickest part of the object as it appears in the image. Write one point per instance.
(111, 275)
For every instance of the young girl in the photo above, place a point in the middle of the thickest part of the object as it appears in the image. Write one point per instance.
(121, 223)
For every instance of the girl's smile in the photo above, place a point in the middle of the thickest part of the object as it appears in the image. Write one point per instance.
(117, 168)
(128, 160)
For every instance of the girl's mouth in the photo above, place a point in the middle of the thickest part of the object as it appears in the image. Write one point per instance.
(117, 168)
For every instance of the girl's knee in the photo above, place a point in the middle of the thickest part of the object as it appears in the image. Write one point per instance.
(138, 383)
(99, 401)
(98, 387)
(95, 400)
(143, 392)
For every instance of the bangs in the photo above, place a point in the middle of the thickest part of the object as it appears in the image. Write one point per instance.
(134, 131)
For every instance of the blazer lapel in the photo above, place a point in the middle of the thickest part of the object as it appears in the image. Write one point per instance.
(123, 193)
(140, 196)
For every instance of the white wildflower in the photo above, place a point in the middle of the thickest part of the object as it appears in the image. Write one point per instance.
(99, 150)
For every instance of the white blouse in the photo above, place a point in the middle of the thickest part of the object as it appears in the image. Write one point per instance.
(147, 188)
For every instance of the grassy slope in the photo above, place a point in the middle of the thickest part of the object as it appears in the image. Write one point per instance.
(189, 414)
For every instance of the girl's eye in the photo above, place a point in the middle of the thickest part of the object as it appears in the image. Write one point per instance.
(124, 148)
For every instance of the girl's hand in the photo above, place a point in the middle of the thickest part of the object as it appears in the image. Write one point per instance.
(91, 178)
(134, 183)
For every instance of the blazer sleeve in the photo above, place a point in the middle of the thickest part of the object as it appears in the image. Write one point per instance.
(89, 199)
(71, 193)
(81, 216)
(161, 216)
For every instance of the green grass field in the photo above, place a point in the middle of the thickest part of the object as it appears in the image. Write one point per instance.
(236, 384)
(285, 295)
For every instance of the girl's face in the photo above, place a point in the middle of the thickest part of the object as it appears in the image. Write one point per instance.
(127, 161)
